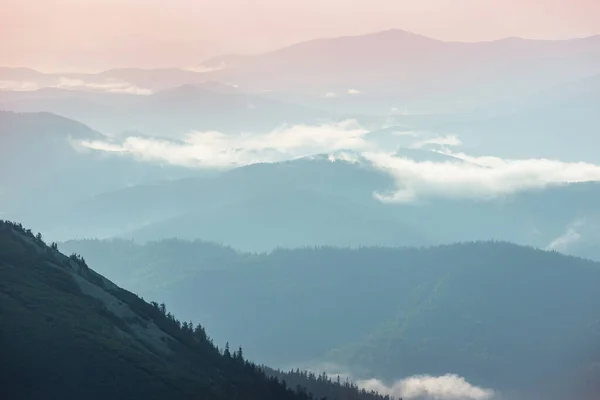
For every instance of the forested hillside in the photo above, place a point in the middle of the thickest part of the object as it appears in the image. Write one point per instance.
(501, 315)
(66, 332)
(323, 386)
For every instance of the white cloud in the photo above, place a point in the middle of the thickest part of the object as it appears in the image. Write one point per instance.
(405, 133)
(446, 387)
(215, 149)
(205, 68)
(330, 95)
(344, 156)
(464, 176)
(437, 141)
(568, 238)
(475, 177)
(354, 91)
(110, 86)
(397, 111)
(19, 86)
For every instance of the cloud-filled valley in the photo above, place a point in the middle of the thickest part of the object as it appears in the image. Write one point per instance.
(110, 85)
(446, 387)
(421, 215)
(460, 176)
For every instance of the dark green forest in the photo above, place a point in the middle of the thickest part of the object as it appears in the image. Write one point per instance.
(323, 386)
(67, 332)
(501, 315)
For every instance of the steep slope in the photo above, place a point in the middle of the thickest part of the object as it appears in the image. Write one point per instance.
(40, 158)
(29, 139)
(67, 332)
(153, 265)
(500, 315)
(323, 386)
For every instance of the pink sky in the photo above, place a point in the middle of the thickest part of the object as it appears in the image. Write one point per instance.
(101, 34)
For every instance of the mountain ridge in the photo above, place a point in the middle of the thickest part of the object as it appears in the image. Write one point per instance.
(68, 332)
(487, 311)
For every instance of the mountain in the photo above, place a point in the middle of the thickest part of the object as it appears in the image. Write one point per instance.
(366, 74)
(27, 140)
(173, 112)
(150, 79)
(153, 265)
(322, 200)
(68, 332)
(322, 386)
(251, 208)
(154, 79)
(502, 316)
(41, 158)
(542, 124)
(403, 70)
(202, 108)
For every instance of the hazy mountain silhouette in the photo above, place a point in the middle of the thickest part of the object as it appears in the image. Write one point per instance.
(172, 112)
(252, 208)
(412, 71)
(500, 315)
(152, 79)
(41, 158)
(393, 68)
(539, 125)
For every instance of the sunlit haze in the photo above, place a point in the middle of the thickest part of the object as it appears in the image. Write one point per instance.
(300, 199)
(93, 35)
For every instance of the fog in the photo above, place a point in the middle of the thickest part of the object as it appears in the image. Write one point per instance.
(400, 194)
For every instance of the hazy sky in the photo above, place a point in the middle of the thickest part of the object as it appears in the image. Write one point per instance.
(100, 34)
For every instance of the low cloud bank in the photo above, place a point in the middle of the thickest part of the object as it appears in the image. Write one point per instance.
(219, 150)
(570, 237)
(439, 141)
(446, 387)
(19, 86)
(462, 176)
(108, 86)
(475, 177)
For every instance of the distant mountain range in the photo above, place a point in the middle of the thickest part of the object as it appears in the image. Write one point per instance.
(491, 95)
(68, 332)
(172, 112)
(502, 316)
(349, 202)
(151, 79)
(373, 73)
(42, 166)
(420, 73)
(310, 202)
(304, 202)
